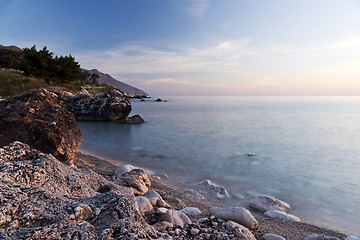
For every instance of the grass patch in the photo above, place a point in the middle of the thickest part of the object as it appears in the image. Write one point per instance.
(13, 83)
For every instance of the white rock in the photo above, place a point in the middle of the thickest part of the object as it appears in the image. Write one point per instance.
(155, 199)
(270, 236)
(281, 215)
(144, 204)
(192, 211)
(162, 210)
(125, 168)
(352, 238)
(237, 214)
(267, 203)
(194, 194)
(177, 218)
(194, 231)
(212, 188)
(320, 237)
(240, 231)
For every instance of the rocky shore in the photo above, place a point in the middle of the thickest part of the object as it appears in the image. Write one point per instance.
(49, 190)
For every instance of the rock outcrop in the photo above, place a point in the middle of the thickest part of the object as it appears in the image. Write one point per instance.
(100, 107)
(39, 119)
(42, 198)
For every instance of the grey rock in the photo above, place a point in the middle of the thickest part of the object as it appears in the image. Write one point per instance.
(177, 218)
(136, 179)
(125, 168)
(281, 215)
(212, 188)
(267, 203)
(320, 237)
(192, 211)
(155, 199)
(270, 236)
(132, 120)
(43, 198)
(144, 204)
(237, 214)
(105, 107)
(194, 194)
(161, 226)
(240, 231)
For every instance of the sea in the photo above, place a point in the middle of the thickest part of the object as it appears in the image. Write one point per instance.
(306, 149)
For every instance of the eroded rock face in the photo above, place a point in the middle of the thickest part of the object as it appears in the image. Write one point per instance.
(42, 198)
(100, 107)
(39, 119)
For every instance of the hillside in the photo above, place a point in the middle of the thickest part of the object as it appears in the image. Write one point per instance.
(110, 81)
(12, 48)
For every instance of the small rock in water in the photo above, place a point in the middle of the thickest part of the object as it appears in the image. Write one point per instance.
(194, 194)
(210, 187)
(281, 215)
(352, 238)
(320, 237)
(251, 154)
(267, 203)
(270, 236)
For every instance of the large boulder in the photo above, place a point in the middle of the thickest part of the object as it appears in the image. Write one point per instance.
(100, 107)
(39, 119)
(42, 198)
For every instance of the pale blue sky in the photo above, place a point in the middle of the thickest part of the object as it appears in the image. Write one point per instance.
(206, 47)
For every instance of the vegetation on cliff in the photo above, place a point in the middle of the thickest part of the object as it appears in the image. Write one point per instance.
(32, 69)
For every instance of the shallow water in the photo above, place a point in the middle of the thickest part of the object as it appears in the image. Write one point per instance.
(307, 149)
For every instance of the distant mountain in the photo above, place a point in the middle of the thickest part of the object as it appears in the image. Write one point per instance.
(108, 80)
(12, 48)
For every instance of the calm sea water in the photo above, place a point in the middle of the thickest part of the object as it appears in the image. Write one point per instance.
(307, 149)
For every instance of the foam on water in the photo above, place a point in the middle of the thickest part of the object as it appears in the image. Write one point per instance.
(307, 150)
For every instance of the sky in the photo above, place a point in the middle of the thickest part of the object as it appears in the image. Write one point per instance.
(200, 47)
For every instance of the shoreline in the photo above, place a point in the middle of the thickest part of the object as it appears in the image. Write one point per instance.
(176, 197)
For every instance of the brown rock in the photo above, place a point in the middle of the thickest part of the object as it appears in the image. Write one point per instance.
(39, 119)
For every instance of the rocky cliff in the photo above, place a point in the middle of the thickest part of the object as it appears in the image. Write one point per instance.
(41, 120)
(110, 81)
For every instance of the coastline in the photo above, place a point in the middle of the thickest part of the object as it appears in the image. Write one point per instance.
(176, 197)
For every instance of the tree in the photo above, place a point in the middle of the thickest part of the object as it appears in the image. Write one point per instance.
(41, 63)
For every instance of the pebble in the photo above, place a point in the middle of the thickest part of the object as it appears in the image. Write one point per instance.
(194, 231)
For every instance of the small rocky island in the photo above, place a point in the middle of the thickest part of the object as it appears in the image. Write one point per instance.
(48, 190)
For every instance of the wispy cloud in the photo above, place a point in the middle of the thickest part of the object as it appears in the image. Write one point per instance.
(196, 8)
